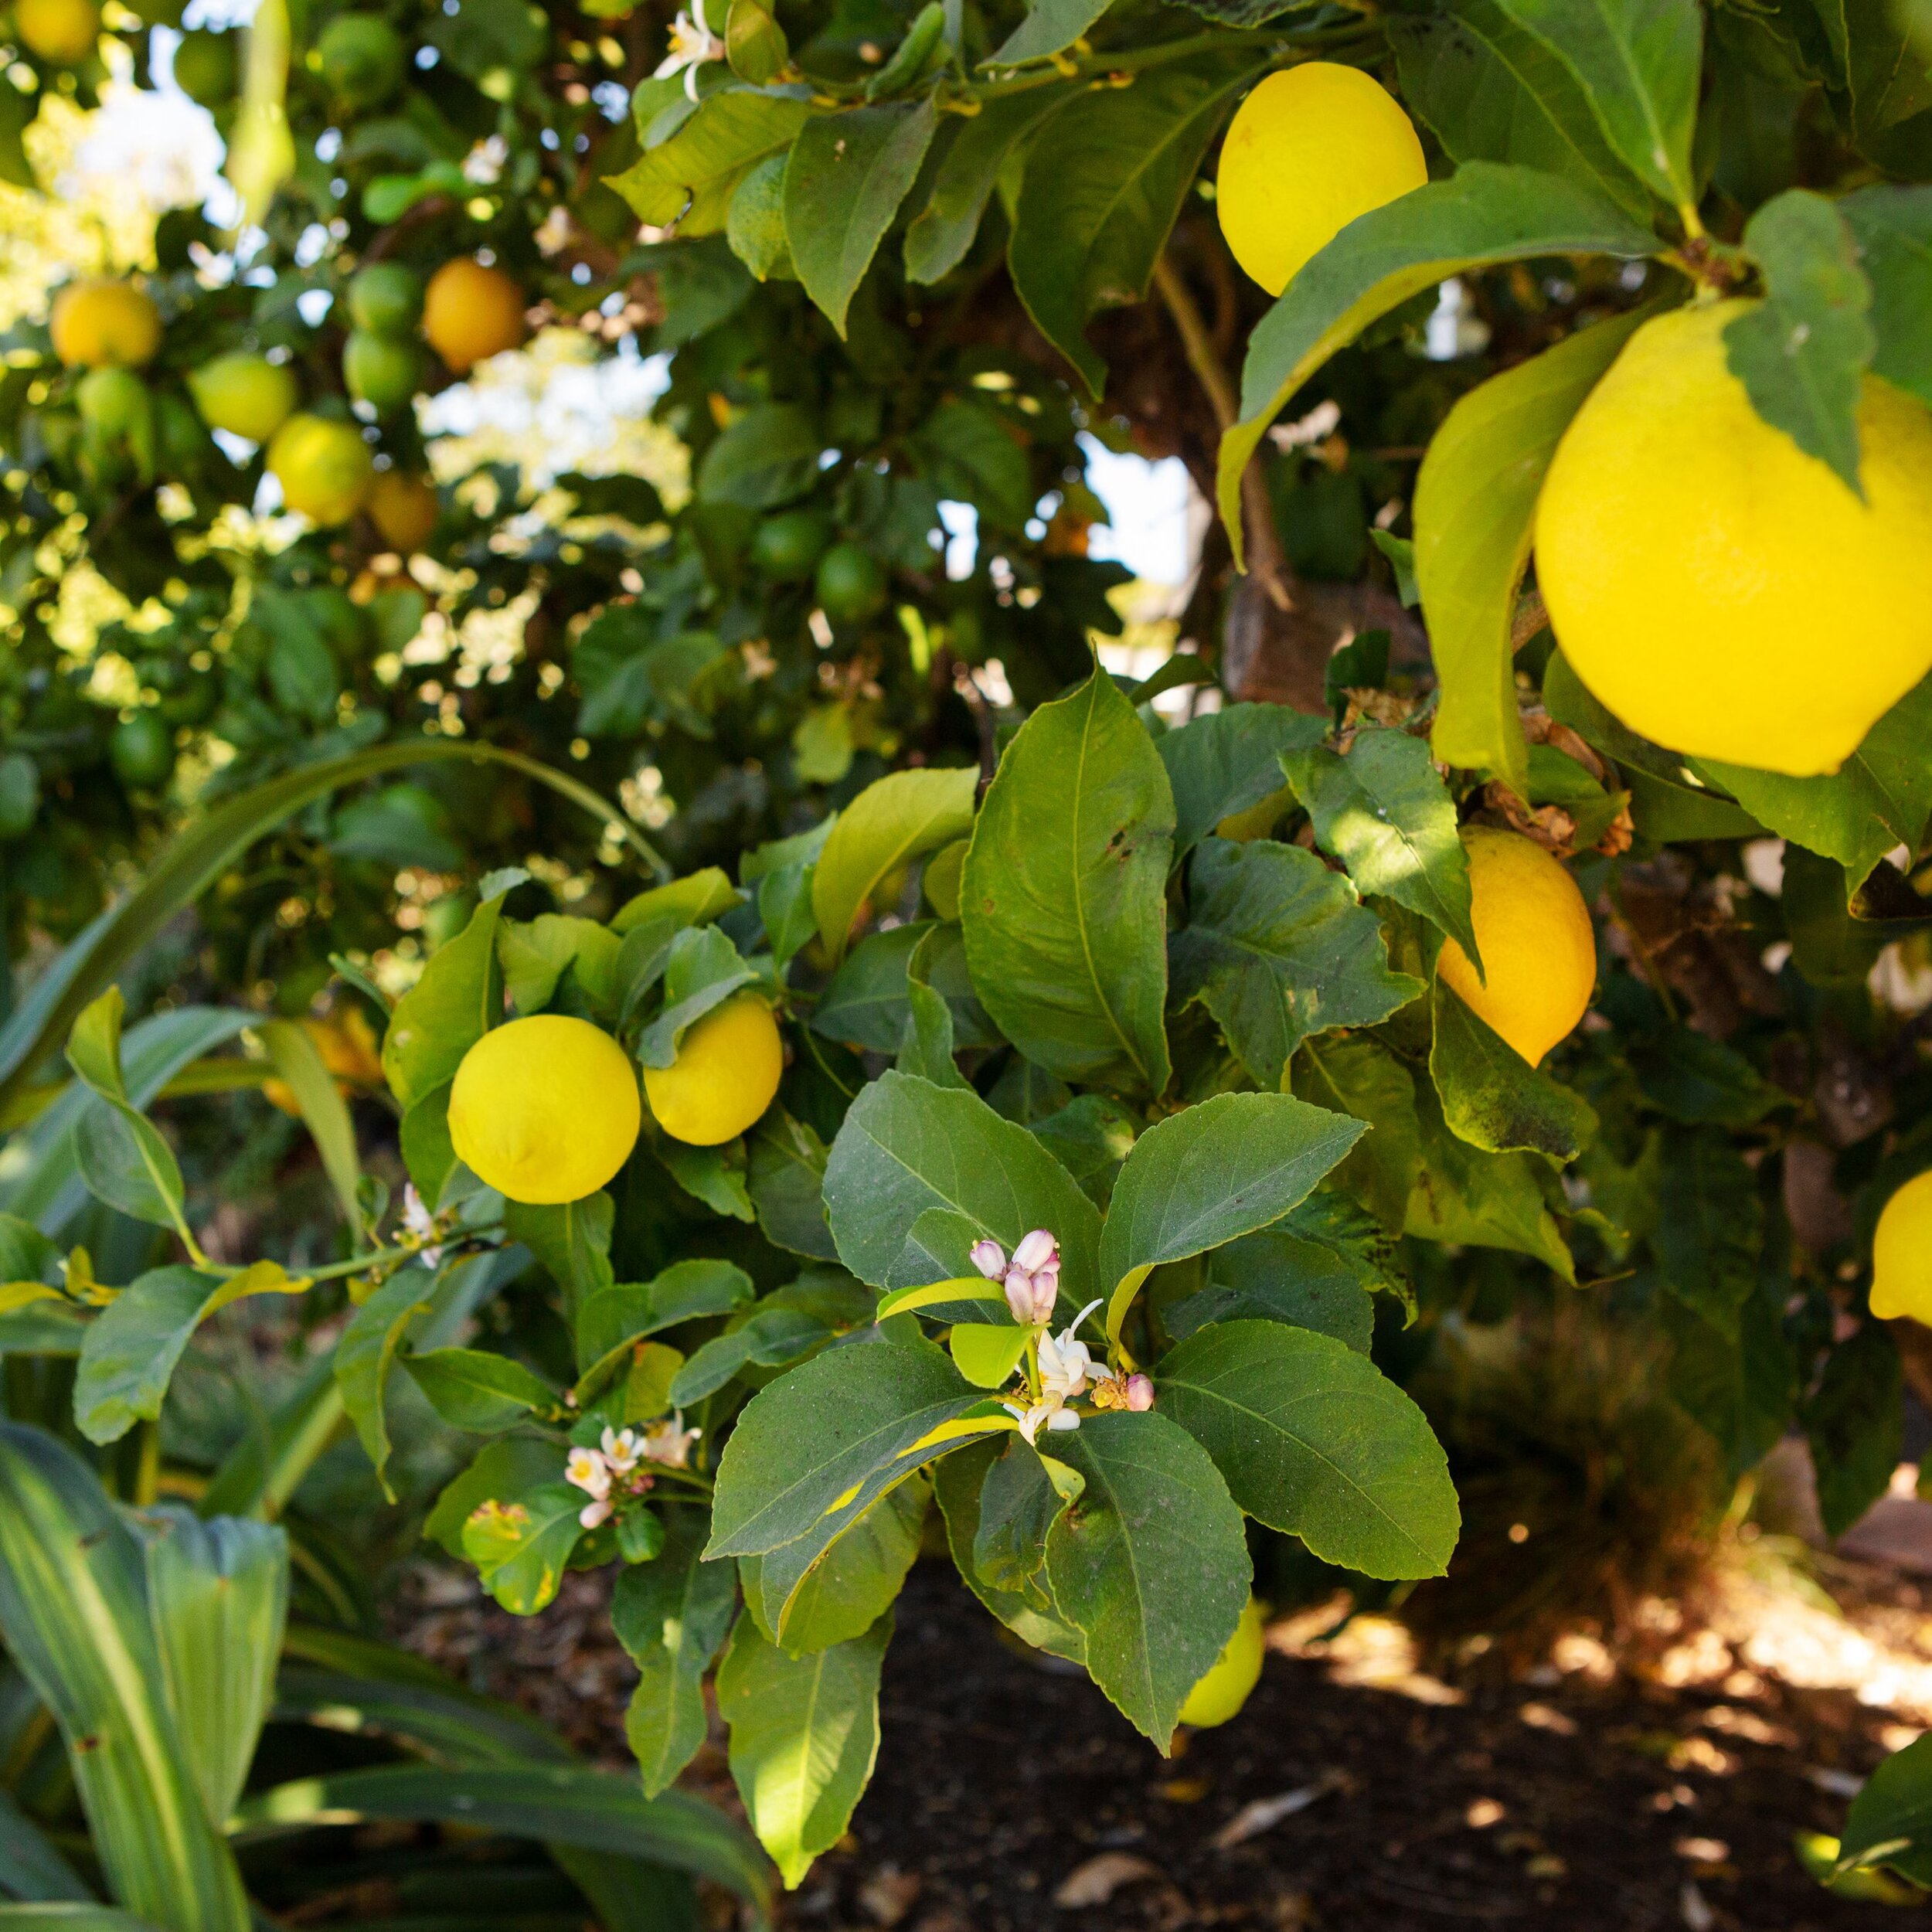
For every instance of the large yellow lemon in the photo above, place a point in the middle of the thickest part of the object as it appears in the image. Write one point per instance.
(1902, 1253)
(1237, 1671)
(324, 467)
(99, 321)
(545, 1110)
(727, 1071)
(1533, 930)
(1312, 147)
(403, 508)
(470, 312)
(62, 32)
(1721, 591)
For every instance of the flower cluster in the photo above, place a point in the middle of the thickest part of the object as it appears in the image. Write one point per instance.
(1065, 1371)
(613, 1470)
(1031, 1279)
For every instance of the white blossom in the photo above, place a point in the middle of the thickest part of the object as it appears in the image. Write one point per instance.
(692, 43)
(621, 1450)
(1065, 1364)
(669, 1443)
(595, 1512)
(589, 1472)
(418, 1221)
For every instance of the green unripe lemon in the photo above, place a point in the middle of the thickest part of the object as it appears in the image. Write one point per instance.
(382, 371)
(207, 67)
(141, 751)
(850, 583)
(1237, 1671)
(248, 396)
(113, 403)
(324, 467)
(545, 1110)
(385, 298)
(787, 546)
(362, 59)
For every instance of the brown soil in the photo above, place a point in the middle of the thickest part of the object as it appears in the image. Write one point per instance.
(1009, 1795)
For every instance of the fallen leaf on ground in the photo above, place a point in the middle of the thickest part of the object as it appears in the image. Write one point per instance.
(1096, 1881)
(1263, 1814)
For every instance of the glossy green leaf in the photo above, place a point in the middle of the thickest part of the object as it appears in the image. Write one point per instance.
(1485, 213)
(1475, 504)
(1063, 895)
(1278, 947)
(520, 1548)
(987, 1353)
(766, 456)
(1382, 809)
(1890, 1821)
(367, 1352)
(1151, 1565)
(1892, 228)
(1314, 1440)
(787, 1171)
(689, 179)
(806, 1602)
(1050, 27)
(612, 1318)
(936, 978)
(1492, 1097)
(572, 1240)
(457, 1000)
(298, 1062)
(670, 1616)
(846, 177)
(939, 236)
(74, 1614)
(898, 819)
(472, 1389)
(1360, 1076)
(1228, 761)
(121, 1154)
(505, 1469)
(804, 1733)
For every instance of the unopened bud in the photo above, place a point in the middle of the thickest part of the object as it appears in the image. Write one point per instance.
(1031, 1297)
(1036, 1251)
(1140, 1392)
(990, 1258)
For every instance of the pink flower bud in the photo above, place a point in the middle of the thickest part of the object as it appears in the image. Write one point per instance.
(1037, 1251)
(990, 1258)
(1140, 1392)
(1031, 1297)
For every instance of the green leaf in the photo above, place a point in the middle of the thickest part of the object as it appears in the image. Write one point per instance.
(929, 1035)
(1090, 1137)
(812, 1451)
(1321, 1282)
(804, 1732)
(1638, 63)
(1151, 1565)
(1062, 896)
(671, 1615)
(520, 1548)
(788, 1169)
(298, 1061)
(806, 1602)
(504, 1470)
(572, 1239)
(1802, 352)
(472, 1390)
(562, 1804)
(1881, 72)
(457, 1000)
(121, 1154)
(701, 971)
(1474, 507)
(1494, 92)
(1710, 1227)
(1890, 1821)
(1385, 813)
(1697, 1079)
(218, 1598)
(1492, 1097)
(907, 1148)
(1853, 1421)
(1278, 947)
(846, 177)
(1359, 1077)
(367, 1352)
(612, 1318)
(1314, 1440)
(1485, 214)
(1739, 1387)
(941, 233)
(767, 457)
(535, 955)
(688, 180)
(1892, 228)
(958, 1484)
(1879, 797)
(973, 457)
(30, 1868)
(987, 1353)
(1209, 1174)
(1104, 180)
(694, 900)
(893, 821)
(1050, 27)
(755, 226)
(869, 1000)
(779, 1329)
(74, 1616)
(1228, 761)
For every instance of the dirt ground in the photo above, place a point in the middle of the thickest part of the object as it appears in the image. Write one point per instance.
(1356, 1791)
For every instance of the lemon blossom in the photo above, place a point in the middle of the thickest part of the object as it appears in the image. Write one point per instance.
(589, 1471)
(621, 1450)
(692, 43)
(1031, 1278)
(669, 1443)
(1065, 1364)
(1049, 1414)
(418, 1220)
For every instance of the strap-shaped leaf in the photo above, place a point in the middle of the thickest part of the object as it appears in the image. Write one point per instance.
(30, 1868)
(325, 1113)
(1484, 213)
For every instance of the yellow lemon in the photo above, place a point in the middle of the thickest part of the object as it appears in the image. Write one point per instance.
(1237, 1671)
(324, 467)
(99, 321)
(471, 312)
(1312, 147)
(1533, 930)
(403, 508)
(1902, 1253)
(545, 1110)
(62, 32)
(348, 1050)
(1722, 592)
(725, 1075)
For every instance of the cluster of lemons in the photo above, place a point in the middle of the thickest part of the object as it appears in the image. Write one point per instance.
(468, 311)
(546, 1110)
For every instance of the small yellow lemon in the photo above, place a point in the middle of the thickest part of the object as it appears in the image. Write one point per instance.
(62, 32)
(1312, 147)
(1237, 1671)
(727, 1071)
(1902, 1253)
(99, 321)
(1722, 592)
(348, 1050)
(470, 312)
(1533, 930)
(404, 510)
(324, 467)
(545, 1110)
